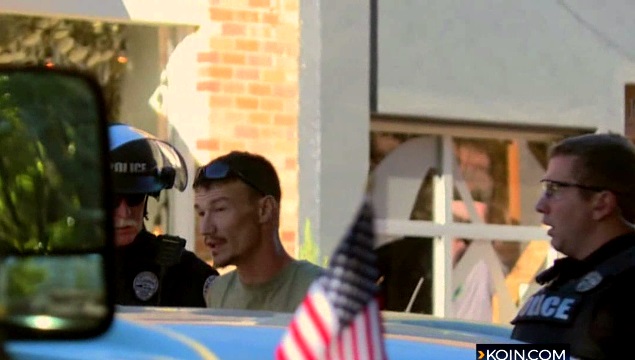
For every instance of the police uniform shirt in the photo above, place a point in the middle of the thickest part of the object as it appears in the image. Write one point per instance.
(139, 279)
(589, 304)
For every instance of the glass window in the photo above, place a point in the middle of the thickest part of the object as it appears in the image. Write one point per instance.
(495, 186)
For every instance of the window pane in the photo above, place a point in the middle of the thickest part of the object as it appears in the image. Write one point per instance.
(496, 181)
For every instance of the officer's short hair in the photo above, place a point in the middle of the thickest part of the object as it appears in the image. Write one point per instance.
(606, 161)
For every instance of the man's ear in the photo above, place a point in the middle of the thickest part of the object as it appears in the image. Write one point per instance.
(604, 204)
(268, 207)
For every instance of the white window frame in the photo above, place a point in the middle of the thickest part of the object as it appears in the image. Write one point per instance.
(442, 228)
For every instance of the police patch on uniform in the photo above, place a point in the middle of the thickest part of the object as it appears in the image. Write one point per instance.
(145, 285)
(589, 281)
(548, 307)
(207, 283)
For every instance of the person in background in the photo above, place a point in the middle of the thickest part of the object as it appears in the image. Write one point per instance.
(472, 293)
(588, 203)
(237, 198)
(150, 270)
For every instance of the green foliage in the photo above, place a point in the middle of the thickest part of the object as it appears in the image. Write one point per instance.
(30, 282)
(24, 278)
(50, 173)
(309, 250)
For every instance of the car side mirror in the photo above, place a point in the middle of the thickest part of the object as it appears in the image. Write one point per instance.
(56, 248)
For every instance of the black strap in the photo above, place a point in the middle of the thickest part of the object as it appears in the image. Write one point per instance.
(619, 263)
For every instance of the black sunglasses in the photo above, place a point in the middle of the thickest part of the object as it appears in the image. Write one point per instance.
(130, 199)
(220, 170)
(551, 187)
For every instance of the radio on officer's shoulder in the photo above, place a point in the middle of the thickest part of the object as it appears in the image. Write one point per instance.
(168, 253)
(169, 250)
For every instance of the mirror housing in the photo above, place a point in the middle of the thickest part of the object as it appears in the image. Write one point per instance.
(56, 247)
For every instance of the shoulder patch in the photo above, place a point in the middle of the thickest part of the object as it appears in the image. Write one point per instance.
(589, 281)
(208, 283)
(145, 285)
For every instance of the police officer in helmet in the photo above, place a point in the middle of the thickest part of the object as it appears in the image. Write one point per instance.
(151, 270)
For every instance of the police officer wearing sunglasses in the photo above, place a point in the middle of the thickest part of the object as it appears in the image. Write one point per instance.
(237, 198)
(151, 270)
(588, 297)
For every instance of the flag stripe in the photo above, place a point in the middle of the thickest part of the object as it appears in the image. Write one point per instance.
(354, 339)
(377, 329)
(310, 333)
(289, 350)
(345, 344)
(368, 333)
(280, 354)
(296, 335)
(350, 342)
(316, 319)
(341, 345)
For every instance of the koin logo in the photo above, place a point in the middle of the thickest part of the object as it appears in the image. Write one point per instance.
(533, 354)
(131, 167)
(522, 352)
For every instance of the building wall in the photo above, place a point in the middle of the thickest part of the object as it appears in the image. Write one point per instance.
(234, 84)
(334, 117)
(249, 71)
(549, 63)
(144, 63)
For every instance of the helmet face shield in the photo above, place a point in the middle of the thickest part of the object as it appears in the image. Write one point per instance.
(141, 163)
(174, 160)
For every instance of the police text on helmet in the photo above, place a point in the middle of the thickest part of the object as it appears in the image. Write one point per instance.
(129, 167)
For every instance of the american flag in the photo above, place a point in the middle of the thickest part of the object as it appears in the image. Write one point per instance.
(340, 318)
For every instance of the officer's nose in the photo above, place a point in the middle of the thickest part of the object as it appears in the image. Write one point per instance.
(542, 205)
(121, 208)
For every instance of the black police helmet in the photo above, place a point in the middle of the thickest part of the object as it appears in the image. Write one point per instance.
(142, 164)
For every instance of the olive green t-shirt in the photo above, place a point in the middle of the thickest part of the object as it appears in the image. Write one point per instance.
(283, 293)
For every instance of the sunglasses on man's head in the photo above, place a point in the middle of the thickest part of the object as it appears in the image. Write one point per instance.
(130, 199)
(220, 170)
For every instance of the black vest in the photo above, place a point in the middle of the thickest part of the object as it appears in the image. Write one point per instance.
(142, 280)
(564, 313)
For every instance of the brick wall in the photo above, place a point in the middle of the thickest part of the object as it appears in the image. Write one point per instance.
(250, 72)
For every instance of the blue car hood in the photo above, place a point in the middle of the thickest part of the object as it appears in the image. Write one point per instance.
(178, 333)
